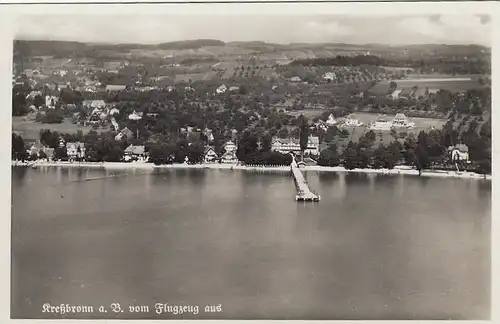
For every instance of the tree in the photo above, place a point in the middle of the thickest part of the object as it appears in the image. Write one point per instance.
(51, 117)
(421, 158)
(38, 101)
(19, 104)
(42, 155)
(49, 138)
(160, 153)
(303, 133)
(195, 152)
(60, 153)
(18, 150)
(484, 167)
(248, 144)
(350, 156)
(266, 143)
(329, 156)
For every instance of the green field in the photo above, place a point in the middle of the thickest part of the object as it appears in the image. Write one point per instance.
(431, 82)
(421, 124)
(30, 130)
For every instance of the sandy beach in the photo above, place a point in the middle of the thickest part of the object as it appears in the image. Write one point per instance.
(218, 166)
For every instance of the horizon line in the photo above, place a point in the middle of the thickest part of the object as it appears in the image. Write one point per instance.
(248, 42)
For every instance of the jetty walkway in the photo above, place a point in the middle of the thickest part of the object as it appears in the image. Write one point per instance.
(303, 191)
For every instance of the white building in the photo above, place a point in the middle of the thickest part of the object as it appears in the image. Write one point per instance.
(331, 120)
(114, 111)
(234, 88)
(115, 124)
(229, 155)
(401, 121)
(381, 124)
(75, 150)
(459, 153)
(221, 89)
(352, 121)
(51, 101)
(395, 94)
(210, 155)
(135, 152)
(94, 104)
(230, 147)
(329, 76)
(135, 116)
(292, 145)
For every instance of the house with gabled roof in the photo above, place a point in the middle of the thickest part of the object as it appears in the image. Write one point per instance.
(210, 155)
(135, 152)
(124, 133)
(459, 153)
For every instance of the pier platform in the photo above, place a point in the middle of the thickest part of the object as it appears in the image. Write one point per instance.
(304, 193)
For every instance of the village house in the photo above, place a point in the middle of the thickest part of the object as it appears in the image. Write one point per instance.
(329, 76)
(114, 124)
(124, 133)
(459, 153)
(96, 116)
(115, 88)
(75, 150)
(229, 155)
(38, 150)
(395, 94)
(93, 104)
(51, 101)
(113, 111)
(234, 88)
(221, 89)
(33, 94)
(210, 155)
(135, 115)
(331, 120)
(295, 79)
(209, 135)
(320, 125)
(135, 153)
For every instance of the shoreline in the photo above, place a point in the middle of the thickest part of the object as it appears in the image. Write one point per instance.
(217, 166)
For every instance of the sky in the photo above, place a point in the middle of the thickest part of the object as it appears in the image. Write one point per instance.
(400, 30)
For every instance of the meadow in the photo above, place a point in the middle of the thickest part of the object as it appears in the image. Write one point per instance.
(30, 130)
(433, 82)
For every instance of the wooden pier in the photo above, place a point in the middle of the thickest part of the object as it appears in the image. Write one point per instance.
(303, 191)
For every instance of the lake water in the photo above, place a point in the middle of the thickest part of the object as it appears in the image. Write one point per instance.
(375, 247)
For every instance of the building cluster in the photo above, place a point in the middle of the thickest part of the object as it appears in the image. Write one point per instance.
(399, 121)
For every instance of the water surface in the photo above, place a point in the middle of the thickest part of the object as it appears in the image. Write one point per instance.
(375, 247)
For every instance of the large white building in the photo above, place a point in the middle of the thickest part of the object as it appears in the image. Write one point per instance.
(352, 121)
(292, 145)
(381, 124)
(401, 121)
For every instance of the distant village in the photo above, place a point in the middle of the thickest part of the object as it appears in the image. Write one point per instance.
(138, 112)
